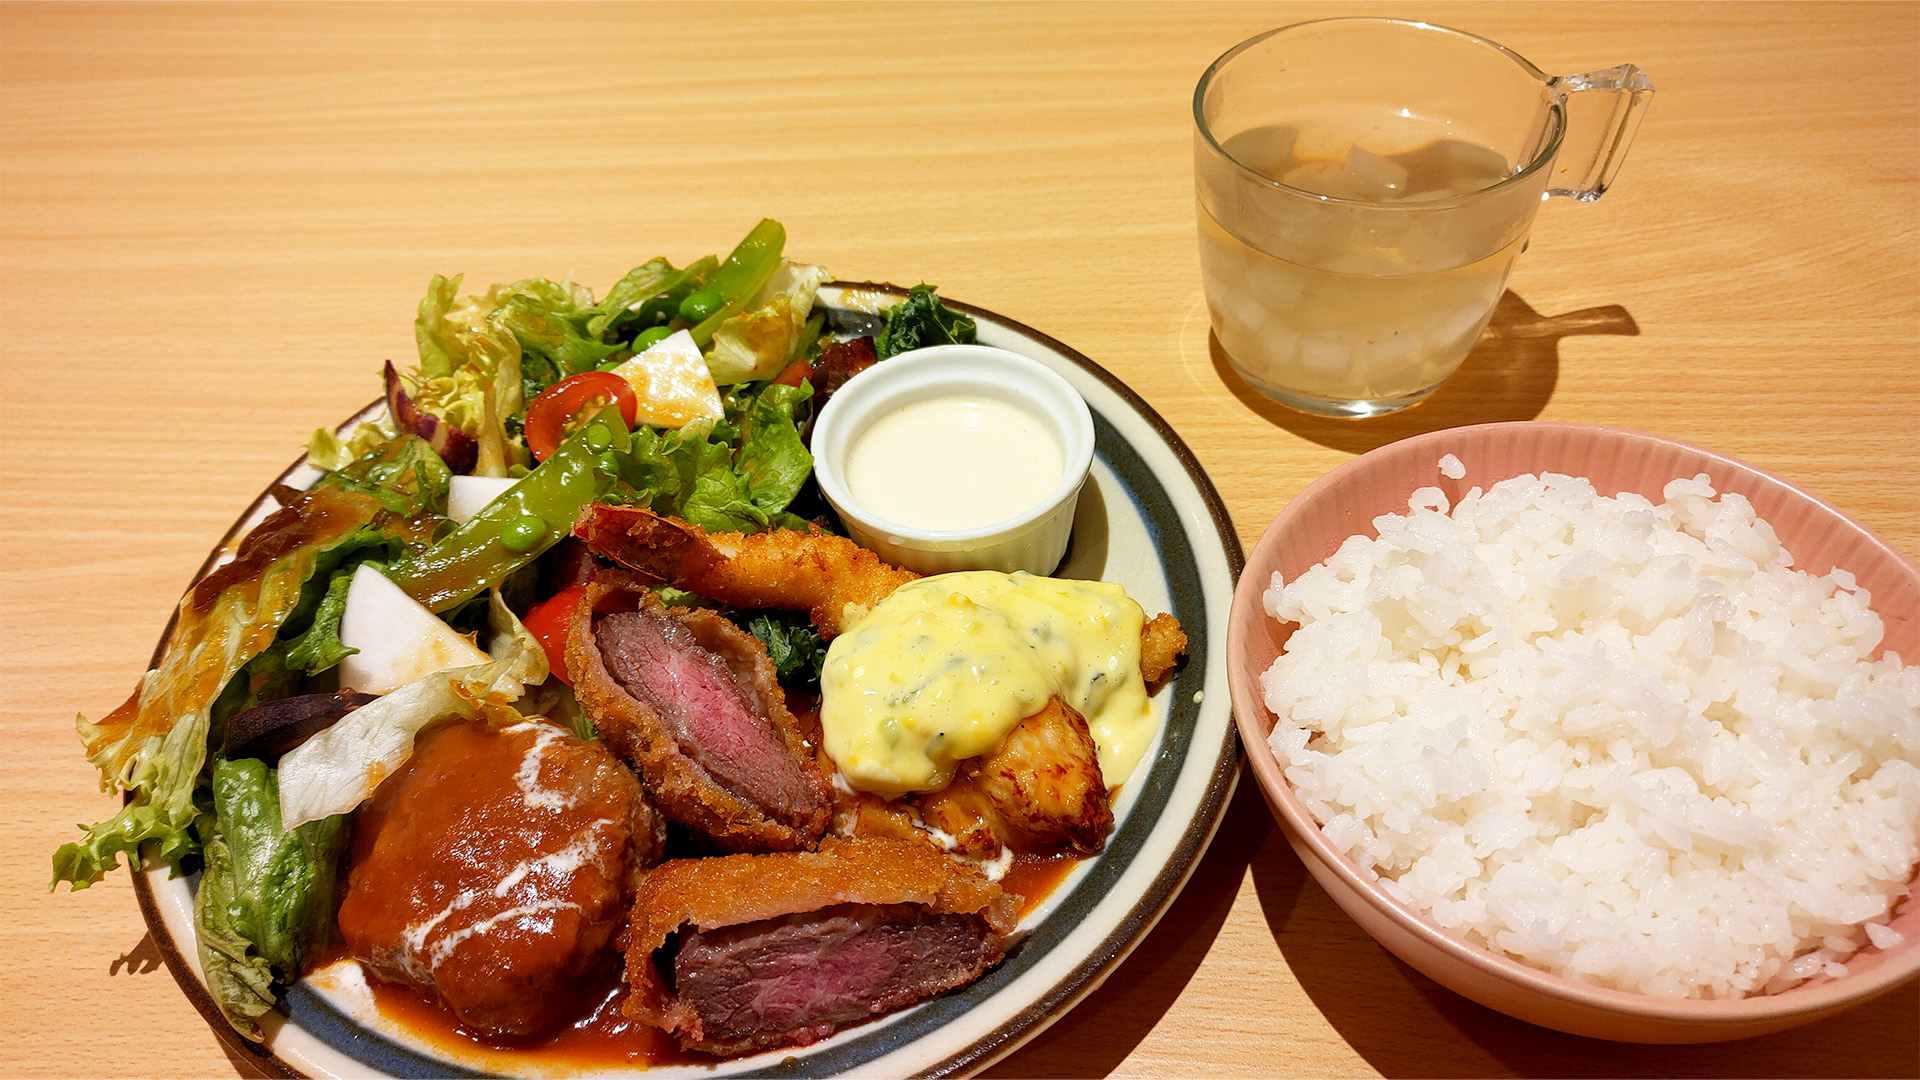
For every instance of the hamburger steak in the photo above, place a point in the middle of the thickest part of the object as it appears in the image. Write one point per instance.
(492, 872)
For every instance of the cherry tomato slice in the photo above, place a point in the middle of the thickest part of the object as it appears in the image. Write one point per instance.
(548, 622)
(559, 405)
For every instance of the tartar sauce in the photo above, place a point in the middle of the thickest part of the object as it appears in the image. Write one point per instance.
(955, 462)
(945, 667)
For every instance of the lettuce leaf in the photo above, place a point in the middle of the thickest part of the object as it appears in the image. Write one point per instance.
(549, 321)
(736, 476)
(239, 636)
(265, 901)
(469, 373)
(155, 745)
(403, 473)
(318, 648)
(240, 980)
(711, 494)
(772, 457)
(326, 449)
(760, 341)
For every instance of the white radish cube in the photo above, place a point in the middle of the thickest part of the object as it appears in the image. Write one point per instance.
(468, 495)
(398, 638)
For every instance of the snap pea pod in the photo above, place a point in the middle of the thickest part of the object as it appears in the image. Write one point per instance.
(739, 279)
(500, 539)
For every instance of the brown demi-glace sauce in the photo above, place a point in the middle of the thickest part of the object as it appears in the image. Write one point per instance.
(605, 1037)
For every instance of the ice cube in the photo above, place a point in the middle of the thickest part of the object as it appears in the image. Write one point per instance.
(1469, 167)
(1381, 179)
(1466, 319)
(1393, 365)
(1242, 310)
(1322, 178)
(1279, 284)
(1388, 351)
(1279, 350)
(1327, 359)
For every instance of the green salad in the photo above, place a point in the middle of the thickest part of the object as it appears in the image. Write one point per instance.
(686, 390)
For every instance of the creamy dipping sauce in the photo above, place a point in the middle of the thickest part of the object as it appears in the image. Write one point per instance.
(955, 462)
(945, 667)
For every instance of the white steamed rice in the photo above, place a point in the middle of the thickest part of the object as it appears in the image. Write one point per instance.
(1620, 741)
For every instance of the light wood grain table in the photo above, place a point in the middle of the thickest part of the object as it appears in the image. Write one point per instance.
(215, 222)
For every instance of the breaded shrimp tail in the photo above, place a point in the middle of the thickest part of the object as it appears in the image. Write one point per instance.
(835, 581)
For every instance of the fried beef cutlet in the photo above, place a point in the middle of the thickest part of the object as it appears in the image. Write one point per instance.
(691, 700)
(750, 952)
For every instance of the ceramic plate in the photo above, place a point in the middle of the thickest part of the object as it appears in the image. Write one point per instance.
(1150, 520)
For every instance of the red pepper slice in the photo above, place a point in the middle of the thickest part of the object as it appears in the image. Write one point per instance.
(795, 373)
(548, 622)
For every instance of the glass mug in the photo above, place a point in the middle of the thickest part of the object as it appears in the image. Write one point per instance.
(1364, 186)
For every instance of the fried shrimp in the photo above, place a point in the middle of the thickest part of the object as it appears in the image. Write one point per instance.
(835, 581)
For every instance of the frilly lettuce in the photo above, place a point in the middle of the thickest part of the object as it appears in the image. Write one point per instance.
(761, 340)
(326, 449)
(550, 321)
(155, 744)
(735, 476)
(469, 373)
(338, 769)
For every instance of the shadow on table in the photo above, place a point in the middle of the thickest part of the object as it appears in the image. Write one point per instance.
(146, 958)
(1097, 1035)
(1406, 1025)
(143, 959)
(1509, 375)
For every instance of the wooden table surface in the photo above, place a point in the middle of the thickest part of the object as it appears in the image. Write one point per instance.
(215, 222)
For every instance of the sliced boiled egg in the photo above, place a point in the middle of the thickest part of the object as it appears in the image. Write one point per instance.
(398, 638)
(468, 495)
(672, 382)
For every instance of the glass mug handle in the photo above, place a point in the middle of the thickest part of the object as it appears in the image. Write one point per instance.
(1603, 110)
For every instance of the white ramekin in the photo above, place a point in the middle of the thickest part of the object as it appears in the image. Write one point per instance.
(1033, 540)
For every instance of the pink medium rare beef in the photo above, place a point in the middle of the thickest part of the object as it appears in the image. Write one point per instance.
(796, 980)
(750, 952)
(691, 700)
